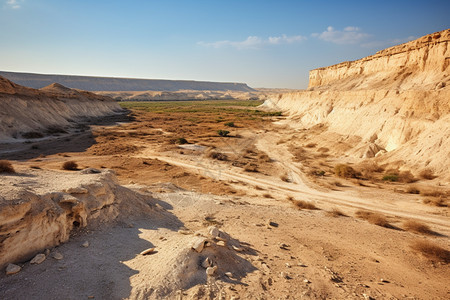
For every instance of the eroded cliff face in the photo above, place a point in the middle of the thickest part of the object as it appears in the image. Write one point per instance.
(422, 64)
(394, 105)
(41, 213)
(25, 110)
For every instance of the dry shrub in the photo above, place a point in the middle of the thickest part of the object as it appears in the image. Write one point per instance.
(6, 167)
(345, 171)
(70, 166)
(285, 178)
(440, 202)
(298, 153)
(417, 227)
(406, 177)
(218, 155)
(336, 213)
(338, 184)
(373, 218)
(431, 251)
(251, 167)
(323, 149)
(427, 174)
(435, 193)
(264, 158)
(301, 204)
(368, 169)
(413, 190)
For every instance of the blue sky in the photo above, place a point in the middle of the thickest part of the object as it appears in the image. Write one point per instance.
(262, 43)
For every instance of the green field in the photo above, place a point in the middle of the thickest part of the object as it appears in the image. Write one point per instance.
(240, 107)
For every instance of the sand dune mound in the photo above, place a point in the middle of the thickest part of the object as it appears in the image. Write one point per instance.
(393, 105)
(24, 110)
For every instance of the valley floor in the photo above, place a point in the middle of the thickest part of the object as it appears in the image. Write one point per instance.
(249, 184)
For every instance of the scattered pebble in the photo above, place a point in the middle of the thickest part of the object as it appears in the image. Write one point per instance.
(211, 270)
(12, 269)
(221, 243)
(306, 281)
(213, 231)
(147, 251)
(39, 258)
(273, 224)
(85, 244)
(58, 256)
(199, 244)
(229, 274)
(185, 232)
(238, 249)
(207, 263)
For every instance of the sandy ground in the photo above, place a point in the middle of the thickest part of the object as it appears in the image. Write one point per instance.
(302, 254)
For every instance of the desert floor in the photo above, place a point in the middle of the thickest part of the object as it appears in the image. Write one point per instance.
(304, 233)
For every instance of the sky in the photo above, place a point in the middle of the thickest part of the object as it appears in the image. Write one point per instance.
(263, 43)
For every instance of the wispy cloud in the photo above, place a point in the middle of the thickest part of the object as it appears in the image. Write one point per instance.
(349, 35)
(254, 42)
(14, 4)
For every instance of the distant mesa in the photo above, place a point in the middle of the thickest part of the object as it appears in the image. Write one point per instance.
(88, 83)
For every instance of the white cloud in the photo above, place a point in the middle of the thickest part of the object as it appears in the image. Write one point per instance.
(349, 35)
(14, 4)
(254, 42)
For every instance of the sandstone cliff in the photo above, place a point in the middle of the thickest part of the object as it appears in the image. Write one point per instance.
(422, 64)
(24, 110)
(394, 105)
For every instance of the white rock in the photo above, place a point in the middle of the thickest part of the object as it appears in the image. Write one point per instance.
(12, 269)
(306, 281)
(238, 249)
(148, 251)
(199, 244)
(211, 270)
(221, 243)
(229, 274)
(213, 231)
(39, 258)
(85, 244)
(207, 263)
(58, 256)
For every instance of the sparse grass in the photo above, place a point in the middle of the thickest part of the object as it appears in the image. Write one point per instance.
(431, 251)
(223, 133)
(427, 174)
(301, 204)
(417, 227)
(390, 178)
(6, 167)
(230, 124)
(373, 218)
(70, 166)
(335, 212)
(345, 171)
(218, 155)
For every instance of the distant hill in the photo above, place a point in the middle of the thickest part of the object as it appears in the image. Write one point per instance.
(89, 83)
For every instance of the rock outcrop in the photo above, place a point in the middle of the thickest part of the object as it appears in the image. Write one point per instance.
(41, 213)
(422, 64)
(25, 110)
(91, 83)
(395, 103)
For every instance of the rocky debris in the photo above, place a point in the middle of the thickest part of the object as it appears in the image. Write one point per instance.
(213, 232)
(57, 256)
(306, 281)
(12, 269)
(210, 271)
(221, 243)
(90, 171)
(285, 275)
(38, 259)
(185, 232)
(273, 224)
(207, 263)
(238, 249)
(85, 244)
(147, 251)
(199, 244)
(384, 280)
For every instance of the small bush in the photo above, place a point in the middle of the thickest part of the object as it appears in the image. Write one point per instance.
(250, 167)
(406, 176)
(336, 213)
(417, 227)
(413, 190)
(181, 141)
(230, 124)
(345, 171)
(440, 202)
(223, 133)
(218, 156)
(427, 174)
(6, 167)
(390, 177)
(70, 166)
(301, 204)
(431, 251)
(373, 218)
